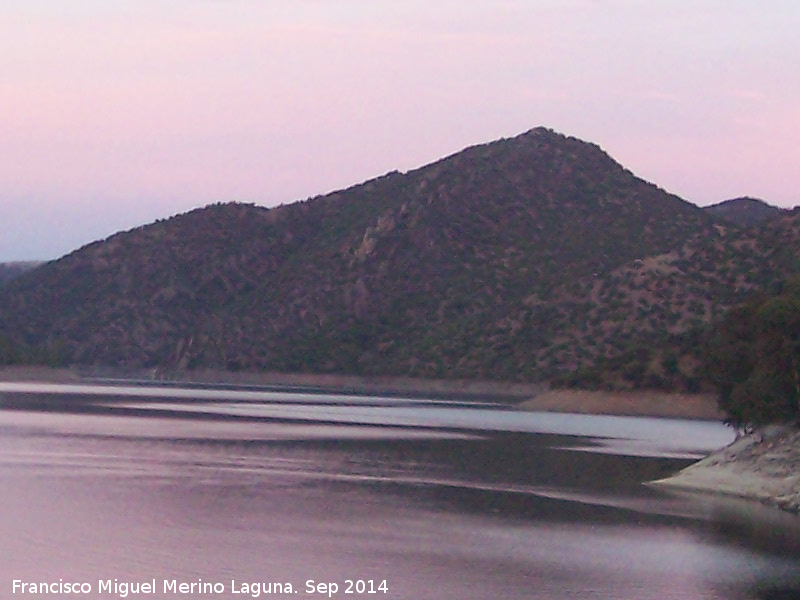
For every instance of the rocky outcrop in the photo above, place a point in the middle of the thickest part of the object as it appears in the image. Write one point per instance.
(763, 466)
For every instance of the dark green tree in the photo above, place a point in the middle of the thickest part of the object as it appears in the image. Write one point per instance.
(754, 359)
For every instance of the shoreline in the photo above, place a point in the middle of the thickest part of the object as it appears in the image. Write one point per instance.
(643, 403)
(502, 392)
(535, 397)
(764, 466)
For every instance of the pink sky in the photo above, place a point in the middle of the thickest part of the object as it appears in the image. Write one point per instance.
(114, 114)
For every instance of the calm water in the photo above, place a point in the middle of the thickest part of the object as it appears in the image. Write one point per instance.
(242, 489)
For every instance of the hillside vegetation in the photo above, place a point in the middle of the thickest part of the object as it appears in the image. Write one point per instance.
(744, 211)
(659, 308)
(11, 270)
(521, 259)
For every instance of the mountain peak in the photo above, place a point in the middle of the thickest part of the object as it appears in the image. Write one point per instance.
(439, 272)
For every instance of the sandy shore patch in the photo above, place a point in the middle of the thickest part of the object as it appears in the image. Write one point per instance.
(640, 404)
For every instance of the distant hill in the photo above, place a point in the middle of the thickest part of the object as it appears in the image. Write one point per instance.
(441, 272)
(659, 307)
(10, 270)
(744, 212)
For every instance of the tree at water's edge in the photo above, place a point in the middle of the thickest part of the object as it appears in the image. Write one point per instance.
(754, 359)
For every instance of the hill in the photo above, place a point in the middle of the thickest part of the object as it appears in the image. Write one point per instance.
(744, 211)
(658, 308)
(440, 272)
(10, 270)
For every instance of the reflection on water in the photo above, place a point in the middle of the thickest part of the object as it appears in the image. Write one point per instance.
(440, 500)
(637, 436)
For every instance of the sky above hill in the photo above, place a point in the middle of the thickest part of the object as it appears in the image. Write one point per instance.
(114, 114)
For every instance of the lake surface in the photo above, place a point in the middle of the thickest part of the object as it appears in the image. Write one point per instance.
(242, 493)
